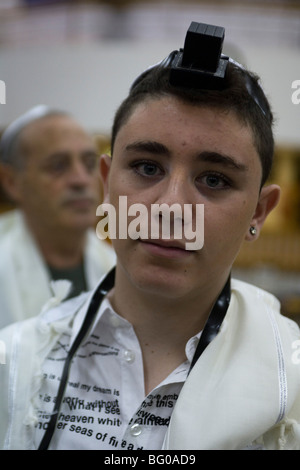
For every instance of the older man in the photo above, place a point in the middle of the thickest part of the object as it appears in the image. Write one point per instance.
(49, 169)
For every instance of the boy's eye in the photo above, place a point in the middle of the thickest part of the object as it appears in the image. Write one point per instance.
(215, 181)
(149, 169)
(146, 168)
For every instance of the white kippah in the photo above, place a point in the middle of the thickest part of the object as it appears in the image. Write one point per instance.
(13, 130)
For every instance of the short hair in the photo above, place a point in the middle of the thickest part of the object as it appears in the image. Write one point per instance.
(241, 94)
(10, 140)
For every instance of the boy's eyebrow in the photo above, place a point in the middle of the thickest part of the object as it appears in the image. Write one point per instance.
(220, 158)
(157, 148)
(149, 146)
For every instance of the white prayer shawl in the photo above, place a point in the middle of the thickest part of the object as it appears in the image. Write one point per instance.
(25, 284)
(243, 391)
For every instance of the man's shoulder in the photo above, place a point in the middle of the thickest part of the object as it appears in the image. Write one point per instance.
(64, 309)
(54, 312)
(8, 221)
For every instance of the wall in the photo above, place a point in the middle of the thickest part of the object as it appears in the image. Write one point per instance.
(91, 79)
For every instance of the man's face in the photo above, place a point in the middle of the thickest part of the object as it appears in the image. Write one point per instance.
(171, 152)
(59, 184)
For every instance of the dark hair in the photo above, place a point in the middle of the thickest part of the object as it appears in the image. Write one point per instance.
(242, 94)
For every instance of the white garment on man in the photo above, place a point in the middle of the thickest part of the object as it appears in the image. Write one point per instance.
(243, 392)
(25, 283)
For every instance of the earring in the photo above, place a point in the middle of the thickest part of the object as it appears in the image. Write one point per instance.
(252, 230)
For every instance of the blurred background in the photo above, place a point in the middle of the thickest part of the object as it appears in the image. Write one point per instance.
(82, 56)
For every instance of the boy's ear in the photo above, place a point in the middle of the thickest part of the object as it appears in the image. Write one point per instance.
(105, 163)
(268, 200)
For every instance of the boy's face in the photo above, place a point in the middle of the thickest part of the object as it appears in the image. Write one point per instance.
(172, 152)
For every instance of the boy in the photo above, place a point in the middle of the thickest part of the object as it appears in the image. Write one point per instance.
(169, 351)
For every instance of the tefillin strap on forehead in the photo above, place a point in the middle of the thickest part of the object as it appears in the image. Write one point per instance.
(200, 64)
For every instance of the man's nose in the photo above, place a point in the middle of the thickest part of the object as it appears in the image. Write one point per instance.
(79, 175)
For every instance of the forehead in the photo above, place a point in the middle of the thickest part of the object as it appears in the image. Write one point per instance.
(184, 124)
(52, 132)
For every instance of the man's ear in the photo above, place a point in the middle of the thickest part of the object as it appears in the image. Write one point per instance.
(10, 182)
(268, 200)
(105, 163)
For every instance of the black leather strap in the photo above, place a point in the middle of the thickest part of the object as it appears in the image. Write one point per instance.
(214, 321)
